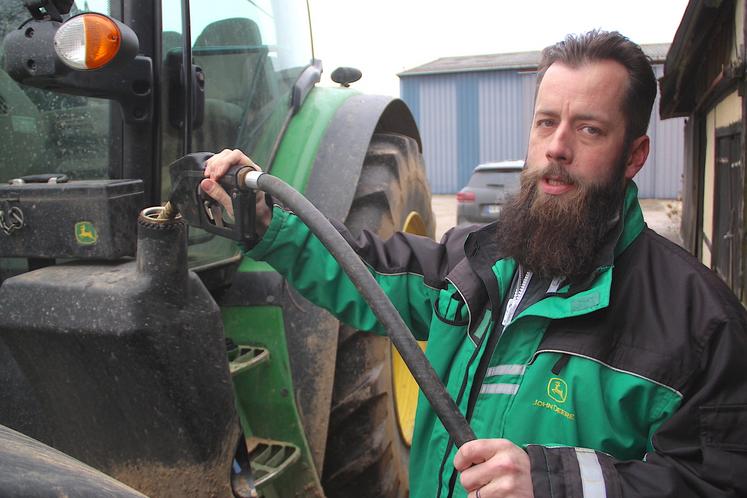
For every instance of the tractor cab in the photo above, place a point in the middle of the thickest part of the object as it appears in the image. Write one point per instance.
(155, 352)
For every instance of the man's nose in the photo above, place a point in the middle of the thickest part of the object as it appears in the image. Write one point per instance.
(560, 146)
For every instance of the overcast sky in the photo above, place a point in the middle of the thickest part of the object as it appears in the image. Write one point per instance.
(384, 37)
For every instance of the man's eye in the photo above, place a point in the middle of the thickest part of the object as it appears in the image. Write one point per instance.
(591, 130)
(545, 123)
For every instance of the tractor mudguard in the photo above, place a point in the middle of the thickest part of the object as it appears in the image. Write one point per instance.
(339, 160)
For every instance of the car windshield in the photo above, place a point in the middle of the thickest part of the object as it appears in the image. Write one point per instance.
(47, 132)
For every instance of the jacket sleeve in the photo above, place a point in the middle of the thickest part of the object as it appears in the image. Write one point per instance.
(410, 269)
(700, 451)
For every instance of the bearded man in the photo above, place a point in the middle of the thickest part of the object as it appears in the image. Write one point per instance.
(591, 356)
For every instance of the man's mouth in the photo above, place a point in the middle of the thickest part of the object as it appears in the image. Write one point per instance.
(555, 185)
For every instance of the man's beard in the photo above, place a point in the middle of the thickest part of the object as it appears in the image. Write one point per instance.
(559, 236)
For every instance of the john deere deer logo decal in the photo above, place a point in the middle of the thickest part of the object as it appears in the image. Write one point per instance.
(85, 233)
(557, 389)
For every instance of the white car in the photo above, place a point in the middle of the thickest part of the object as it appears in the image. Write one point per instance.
(487, 190)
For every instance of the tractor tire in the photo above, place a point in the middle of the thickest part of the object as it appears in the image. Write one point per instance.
(366, 455)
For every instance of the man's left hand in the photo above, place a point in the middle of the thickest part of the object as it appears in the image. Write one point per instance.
(494, 467)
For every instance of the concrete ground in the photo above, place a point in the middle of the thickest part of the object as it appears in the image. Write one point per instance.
(661, 215)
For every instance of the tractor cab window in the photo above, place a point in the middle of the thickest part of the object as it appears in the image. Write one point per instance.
(47, 132)
(250, 53)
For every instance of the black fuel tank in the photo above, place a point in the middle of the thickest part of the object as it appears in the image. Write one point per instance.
(123, 366)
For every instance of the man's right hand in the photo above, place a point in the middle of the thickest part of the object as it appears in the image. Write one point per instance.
(216, 167)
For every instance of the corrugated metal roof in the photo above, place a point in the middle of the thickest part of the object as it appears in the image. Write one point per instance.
(496, 62)
(465, 63)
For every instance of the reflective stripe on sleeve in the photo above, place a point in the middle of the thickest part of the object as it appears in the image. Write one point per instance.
(592, 479)
(499, 388)
(505, 370)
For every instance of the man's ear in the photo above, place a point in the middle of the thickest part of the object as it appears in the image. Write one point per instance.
(637, 156)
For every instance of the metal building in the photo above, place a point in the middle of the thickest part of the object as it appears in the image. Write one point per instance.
(477, 109)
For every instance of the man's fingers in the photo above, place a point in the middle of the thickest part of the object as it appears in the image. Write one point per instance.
(214, 190)
(474, 478)
(473, 452)
(220, 163)
(496, 467)
(216, 167)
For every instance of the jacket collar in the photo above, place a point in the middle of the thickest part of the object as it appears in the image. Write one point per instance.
(633, 223)
(628, 225)
(480, 248)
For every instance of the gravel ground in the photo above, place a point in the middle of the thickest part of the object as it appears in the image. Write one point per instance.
(661, 215)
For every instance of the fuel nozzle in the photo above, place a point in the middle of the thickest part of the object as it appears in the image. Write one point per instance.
(201, 210)
(168, 212)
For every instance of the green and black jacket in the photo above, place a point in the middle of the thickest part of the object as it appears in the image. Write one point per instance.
(631, 383)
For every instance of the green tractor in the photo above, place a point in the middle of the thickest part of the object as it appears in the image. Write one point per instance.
(235, 385)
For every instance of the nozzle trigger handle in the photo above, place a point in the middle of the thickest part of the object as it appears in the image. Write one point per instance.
(202, 211)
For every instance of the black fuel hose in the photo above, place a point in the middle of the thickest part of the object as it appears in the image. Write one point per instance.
(429, 383)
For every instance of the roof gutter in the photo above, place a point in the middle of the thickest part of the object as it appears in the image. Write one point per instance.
(682, 54)
(522, 67)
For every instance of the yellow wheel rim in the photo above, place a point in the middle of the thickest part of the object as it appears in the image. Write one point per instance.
(405, 388)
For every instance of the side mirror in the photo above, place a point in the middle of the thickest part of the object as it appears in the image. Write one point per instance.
(89, 54)
(346, 75)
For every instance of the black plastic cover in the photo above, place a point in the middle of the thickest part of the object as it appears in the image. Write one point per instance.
(91, 219)
(123, 366)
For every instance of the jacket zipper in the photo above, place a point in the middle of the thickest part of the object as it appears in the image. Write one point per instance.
(514, 302)
(482, 367)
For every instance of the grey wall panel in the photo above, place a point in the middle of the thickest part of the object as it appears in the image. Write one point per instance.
(504, 115)
(438, 128)
(670, 158)
(468, 127)
(409, 89)
(661, 176)
(529, 89)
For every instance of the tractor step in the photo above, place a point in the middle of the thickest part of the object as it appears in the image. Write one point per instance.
(248, 357)
(269, 458)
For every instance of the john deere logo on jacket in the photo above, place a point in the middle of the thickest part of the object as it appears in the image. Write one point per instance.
(557, 389)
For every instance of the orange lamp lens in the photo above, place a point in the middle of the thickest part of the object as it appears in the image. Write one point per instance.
(102, 40)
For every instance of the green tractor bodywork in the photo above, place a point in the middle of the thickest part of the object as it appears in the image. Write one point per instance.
(268, 388)
(297, 373)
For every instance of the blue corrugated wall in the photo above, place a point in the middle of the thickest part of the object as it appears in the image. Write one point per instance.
(410, 93)
(436, 116)
(470, 118)
(468, 126)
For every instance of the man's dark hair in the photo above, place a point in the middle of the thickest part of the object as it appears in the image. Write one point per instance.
(577, 50)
